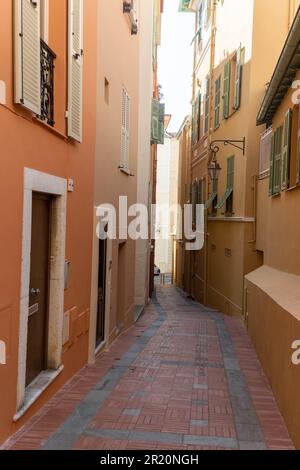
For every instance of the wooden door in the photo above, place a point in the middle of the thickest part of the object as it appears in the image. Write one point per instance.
(100, 329)
(38, 291)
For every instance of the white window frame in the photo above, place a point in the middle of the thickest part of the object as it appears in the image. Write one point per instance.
(44, 8)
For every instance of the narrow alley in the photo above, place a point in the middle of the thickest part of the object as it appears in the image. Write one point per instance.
(183, 377)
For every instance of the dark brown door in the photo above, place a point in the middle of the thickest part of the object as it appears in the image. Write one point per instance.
(100, 331)
(38, 291)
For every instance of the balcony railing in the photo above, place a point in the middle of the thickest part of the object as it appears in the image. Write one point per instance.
(47, 83)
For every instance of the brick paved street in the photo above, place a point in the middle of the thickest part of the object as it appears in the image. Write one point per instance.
(183, 377)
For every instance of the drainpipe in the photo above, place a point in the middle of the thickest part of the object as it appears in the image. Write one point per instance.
(210, 134)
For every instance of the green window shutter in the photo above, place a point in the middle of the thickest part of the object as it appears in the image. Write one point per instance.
(155, 121)
(298, 150)
(194, 199)
(238, 79)
(226, 97)
(193, 123)
(161, 122)
(206, 112)
(277, 161)
(271, 179)
(217, 102)
(199, 102)
(230, 172)
(230, 181)
(286, 151)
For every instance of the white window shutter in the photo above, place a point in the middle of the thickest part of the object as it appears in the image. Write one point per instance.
(125, 144)
(75, 69)
(27, 54)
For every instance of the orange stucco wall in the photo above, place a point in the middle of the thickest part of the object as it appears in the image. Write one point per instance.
(27, 143)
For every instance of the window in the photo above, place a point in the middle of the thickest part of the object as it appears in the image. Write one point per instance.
(226, 96)
(286, 151)
(238, 79)
(75, 69)
(227, 197)
(217, 102)
(198, 116)
(207, 12)
(200, 22)
(158, 122)
(232, 84)
(294, 173)
(265, 152)
(276, 162)
(206, 111)
(125, 144)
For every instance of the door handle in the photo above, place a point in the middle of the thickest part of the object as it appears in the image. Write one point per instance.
(35, 292)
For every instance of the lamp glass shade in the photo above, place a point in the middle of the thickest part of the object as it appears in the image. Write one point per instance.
(214, 170)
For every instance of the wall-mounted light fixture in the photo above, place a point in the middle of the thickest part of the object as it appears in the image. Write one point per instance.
(214, 167)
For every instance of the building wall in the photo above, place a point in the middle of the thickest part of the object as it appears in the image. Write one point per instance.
(181, 274)
(272, 291)
(28, 143)
(109, 180)
(144, 175)
(166, 197)
(230, 247)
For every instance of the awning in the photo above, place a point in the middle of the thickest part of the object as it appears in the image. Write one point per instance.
(224, 198)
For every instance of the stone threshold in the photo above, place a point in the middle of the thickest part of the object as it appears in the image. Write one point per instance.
(36, 389)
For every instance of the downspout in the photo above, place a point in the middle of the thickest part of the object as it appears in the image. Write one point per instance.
(210, 133)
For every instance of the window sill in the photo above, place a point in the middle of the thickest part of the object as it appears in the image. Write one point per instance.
(50, 128)
(36, 389)
(292, 188)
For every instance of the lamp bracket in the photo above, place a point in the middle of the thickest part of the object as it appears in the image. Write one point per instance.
(239, 144)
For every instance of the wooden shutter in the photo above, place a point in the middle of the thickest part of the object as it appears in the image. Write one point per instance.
(155, 121)
(27, 54)
(226, 97)
(238, 79)
(286, 151)
(271, 180)
(298, 150)
(193, 123)
(161, 121)
(277, 161)
(125, 131)
(75, 69)
(206, 117)
(217, 102)
(230, 172)
(199, 102)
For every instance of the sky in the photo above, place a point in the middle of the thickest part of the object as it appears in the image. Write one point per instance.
(176, 62)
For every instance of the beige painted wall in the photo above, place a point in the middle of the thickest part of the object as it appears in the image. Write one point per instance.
(144, 166)
(166, 195)
(118, 64)
(217, 272)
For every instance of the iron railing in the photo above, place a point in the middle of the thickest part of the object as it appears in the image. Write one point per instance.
(47, 83)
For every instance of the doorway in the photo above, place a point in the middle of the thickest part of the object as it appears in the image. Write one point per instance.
(100, 326)
(39, 286)
(121, 287)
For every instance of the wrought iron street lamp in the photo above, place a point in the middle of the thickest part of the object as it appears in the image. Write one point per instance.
(214, 166)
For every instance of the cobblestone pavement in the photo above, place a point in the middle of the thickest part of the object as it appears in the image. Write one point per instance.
(183, 377)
